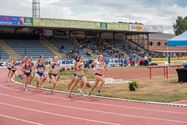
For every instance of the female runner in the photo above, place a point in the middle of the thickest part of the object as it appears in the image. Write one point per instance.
(27, 69)
(99, 65)
(54, 69)
(74, 74)
(40, 68)
(9, 62)
(80, 76)
(12, 68)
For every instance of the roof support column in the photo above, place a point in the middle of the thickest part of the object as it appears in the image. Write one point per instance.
(98, 39)
(113, 36)
(139, 39)
(148, 41)
(125, 36)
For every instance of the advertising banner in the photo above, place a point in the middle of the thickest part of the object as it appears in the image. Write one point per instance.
(84, 24)
(103, 26)
(118, 26)
(48, 32)
(44, 22)
(65, 23)
(135, 27)
(112, 62)
(11, 20)
(79, 34)
(27, 21)
(152, 28)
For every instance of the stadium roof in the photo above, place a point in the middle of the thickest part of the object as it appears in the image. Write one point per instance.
(180, 40)
(77, 24)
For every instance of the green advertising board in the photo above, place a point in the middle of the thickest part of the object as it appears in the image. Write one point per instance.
(27, 21)
(103, 26)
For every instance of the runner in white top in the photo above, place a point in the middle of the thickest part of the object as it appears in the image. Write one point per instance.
(9, 67)
(54, 69)
(98, 66)
(12, 67)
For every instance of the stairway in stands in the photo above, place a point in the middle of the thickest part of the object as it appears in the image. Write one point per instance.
(138, 46)
(7, 49)
(51, 47)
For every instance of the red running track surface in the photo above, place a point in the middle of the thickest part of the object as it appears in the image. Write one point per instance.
(30, 108)
(181, 102)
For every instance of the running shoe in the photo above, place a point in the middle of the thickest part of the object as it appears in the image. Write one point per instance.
(98, 92)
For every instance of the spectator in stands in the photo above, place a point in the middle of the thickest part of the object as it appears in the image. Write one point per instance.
(128, 61)
(131, 58)
(62, 47)
(141, 61)
(135, 62)
(146, 60)
(169, 59)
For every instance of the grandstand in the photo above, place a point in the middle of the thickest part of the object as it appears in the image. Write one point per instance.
(67, 38)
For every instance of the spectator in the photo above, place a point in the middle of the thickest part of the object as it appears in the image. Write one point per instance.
(146, 62)
(62, 47)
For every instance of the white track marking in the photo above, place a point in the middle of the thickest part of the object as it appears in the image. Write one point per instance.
(110, 105)
(18, 119)
(61, 115)
(97, 111)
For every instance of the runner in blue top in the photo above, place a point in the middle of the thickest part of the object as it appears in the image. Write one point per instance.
(40, 68)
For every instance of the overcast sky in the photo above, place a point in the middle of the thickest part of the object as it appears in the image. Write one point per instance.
(156, 12)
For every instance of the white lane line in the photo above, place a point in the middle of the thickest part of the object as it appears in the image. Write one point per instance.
(18, 119)
(97, 111)
(60, 115)
(103, 104)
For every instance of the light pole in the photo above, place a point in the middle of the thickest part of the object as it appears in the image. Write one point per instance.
(36, 8)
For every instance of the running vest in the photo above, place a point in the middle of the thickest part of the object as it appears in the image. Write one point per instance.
(54, 65)
(82, 66)
(27, 68)
(99, 65)
(40, 68)
(13, 66)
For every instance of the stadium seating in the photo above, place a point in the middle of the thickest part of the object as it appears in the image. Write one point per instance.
(29, 47)
(109, 48)
(118, 48)
(3, 54)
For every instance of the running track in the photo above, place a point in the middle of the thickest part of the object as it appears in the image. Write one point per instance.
(30, 108)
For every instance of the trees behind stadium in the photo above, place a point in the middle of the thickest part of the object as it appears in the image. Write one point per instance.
(181, 25)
